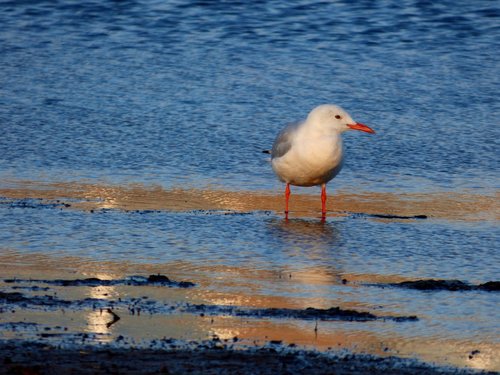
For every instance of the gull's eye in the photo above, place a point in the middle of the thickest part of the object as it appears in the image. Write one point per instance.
(338, 117)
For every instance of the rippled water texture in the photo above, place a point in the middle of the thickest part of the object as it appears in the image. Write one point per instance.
(130, 143)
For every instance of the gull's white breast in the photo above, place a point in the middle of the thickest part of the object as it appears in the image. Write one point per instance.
(310, 160)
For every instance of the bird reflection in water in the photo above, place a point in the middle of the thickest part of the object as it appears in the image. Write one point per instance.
(312, 246)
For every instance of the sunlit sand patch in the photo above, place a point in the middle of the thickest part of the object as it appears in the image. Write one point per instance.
(440, 205)
(320, 335)
(224, 285)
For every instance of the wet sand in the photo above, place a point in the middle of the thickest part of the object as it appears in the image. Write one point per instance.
(90, 197)
(86, 315)
(50, 312)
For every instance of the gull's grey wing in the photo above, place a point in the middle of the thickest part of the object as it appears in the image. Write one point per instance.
(283, 141)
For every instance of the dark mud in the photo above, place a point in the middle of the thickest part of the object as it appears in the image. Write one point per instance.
(19, 299)
(21, 326)
(146, 305)
(33, 203)
(490, 286)
(310, 313)
(50, 302)
(206, 357)
(449, 285)
(387, 216)
(159, 280)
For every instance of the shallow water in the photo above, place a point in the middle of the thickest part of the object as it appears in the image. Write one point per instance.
(149, 119)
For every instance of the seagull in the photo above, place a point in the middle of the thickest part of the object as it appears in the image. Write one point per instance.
(310, 152)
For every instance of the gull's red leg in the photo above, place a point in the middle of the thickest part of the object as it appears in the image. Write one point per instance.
(287, 197)
(323, 201)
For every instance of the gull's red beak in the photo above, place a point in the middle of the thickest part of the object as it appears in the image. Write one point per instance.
(362, 127)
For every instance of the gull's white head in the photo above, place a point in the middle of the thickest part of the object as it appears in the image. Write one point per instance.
(331, 118)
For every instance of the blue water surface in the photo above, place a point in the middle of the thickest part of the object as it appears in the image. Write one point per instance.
(190, 92)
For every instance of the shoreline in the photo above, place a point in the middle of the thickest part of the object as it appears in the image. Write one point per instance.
(206, 357)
